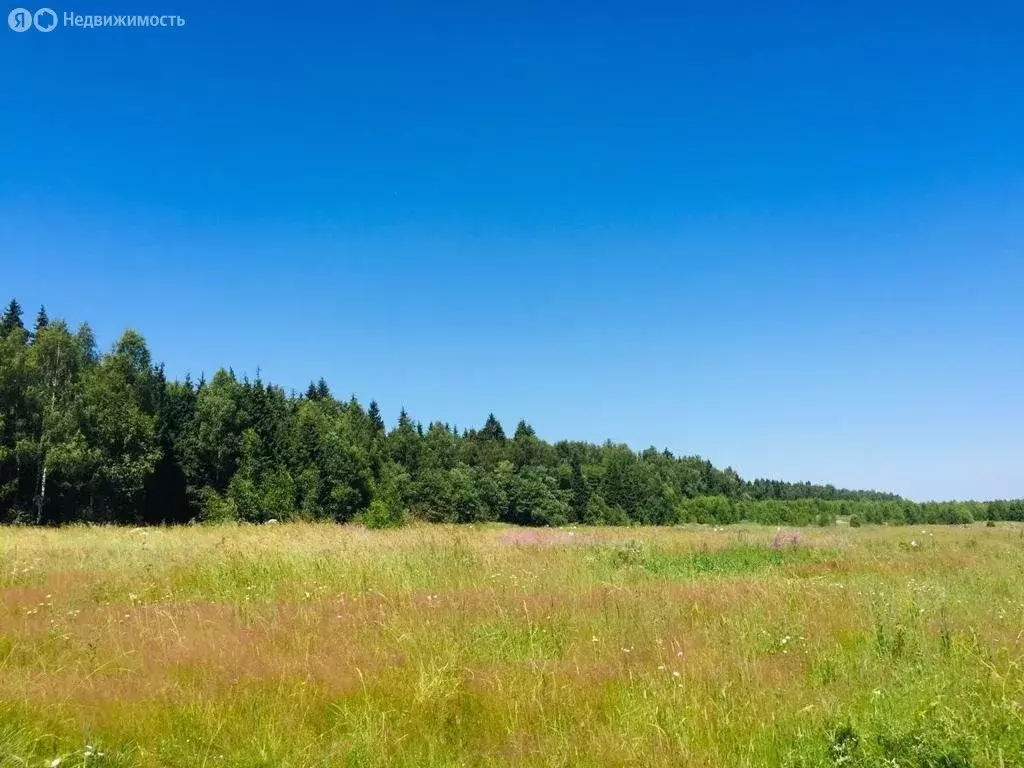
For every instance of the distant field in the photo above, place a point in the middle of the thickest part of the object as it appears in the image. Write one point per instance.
(321, 645)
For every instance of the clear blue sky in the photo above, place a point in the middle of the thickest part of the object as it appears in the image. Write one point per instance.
(790, 240)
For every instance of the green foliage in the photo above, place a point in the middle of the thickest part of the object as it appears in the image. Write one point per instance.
(725, 562)
(215, 508)
(107, 438)
(11, 318)
(381, 514)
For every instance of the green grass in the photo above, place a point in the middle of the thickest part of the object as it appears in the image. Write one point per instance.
(743, 559)
(317, 645)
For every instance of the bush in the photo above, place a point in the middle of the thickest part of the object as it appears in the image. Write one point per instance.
(382, 515)
(217, 508)
(990, 524)
(855, 521)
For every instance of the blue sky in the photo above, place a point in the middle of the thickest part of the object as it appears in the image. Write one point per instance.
(790, 240)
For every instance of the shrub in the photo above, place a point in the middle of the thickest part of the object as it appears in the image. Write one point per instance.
(217, 508)
(855, 521)
(382, 515)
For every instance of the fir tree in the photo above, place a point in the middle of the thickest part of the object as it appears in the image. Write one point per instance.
(375, 417)
(492, 429)
(42, 320)
(523, 430)
(11, 318)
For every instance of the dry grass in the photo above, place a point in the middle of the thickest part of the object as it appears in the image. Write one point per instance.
(317, 645)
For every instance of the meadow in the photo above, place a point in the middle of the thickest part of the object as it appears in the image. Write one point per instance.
(326, 645)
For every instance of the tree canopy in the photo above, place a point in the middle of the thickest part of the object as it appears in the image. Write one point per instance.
(107, 437)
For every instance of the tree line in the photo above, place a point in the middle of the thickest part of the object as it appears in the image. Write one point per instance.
(94, 437)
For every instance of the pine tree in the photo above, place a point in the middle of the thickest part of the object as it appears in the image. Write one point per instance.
(322, 390)
(492, 429)
(523, 430)
(375, 417)
(42, 320)
(11, 318)
(405, 442)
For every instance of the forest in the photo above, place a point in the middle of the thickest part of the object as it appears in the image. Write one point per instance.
(108, 438)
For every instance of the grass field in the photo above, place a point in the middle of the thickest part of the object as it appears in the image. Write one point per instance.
(319, 645)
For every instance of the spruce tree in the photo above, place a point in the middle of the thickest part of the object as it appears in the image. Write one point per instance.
(523, 430)
(11, 318)
(492, 429)
(42, 320)
(375, 417)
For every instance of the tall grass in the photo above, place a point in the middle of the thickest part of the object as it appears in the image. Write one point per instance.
(309, 645)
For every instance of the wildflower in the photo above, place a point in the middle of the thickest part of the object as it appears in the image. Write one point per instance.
(55, 762)
(593, 639)
(785, 539)
(913, 543)
(675, 673)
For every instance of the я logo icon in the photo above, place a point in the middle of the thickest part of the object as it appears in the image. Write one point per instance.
(22, 20)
